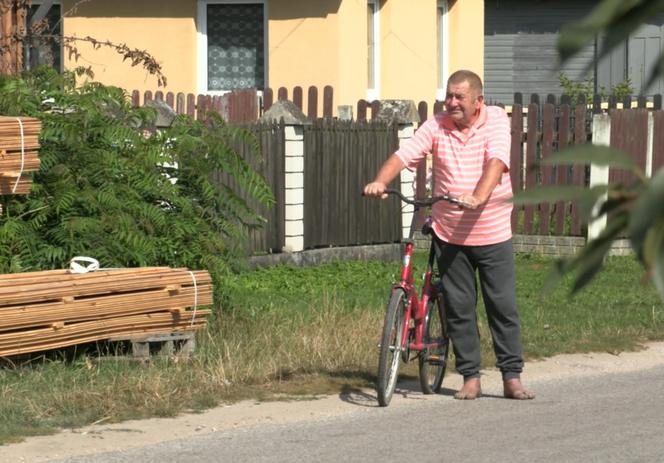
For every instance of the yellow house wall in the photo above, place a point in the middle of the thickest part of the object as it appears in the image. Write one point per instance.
(310, 43)
(409, 49)
(303, 44)
(164, 28)
(466, 35)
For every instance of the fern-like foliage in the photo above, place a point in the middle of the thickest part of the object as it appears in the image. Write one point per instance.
(110, 189)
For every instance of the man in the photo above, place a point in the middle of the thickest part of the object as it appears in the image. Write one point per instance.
(470, 144)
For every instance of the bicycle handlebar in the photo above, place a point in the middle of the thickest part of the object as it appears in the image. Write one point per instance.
(421, 201)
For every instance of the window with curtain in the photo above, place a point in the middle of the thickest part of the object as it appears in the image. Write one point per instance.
(235, 46)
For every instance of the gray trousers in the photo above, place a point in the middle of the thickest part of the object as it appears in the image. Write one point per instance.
(494, 263)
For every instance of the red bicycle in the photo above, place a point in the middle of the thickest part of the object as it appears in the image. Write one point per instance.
(414, 324)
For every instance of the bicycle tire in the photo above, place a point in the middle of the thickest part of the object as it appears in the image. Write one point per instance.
(390, 347)
(433, 362)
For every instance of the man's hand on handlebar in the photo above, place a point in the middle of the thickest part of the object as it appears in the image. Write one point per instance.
(375, 189)
(469, 201)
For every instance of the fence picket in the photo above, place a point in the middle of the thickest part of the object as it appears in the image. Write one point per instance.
(170, 100)
(268, 97)
(375, 109)
(191, 105)
(180, 103)
(297, 97)
(547, 172)
(516, 159)
(531, 157)
(135, 98)
(328, 95)
(561, 209)
(312, 103)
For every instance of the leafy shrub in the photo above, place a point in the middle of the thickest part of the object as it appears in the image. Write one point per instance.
(111, 188)
(578, 89)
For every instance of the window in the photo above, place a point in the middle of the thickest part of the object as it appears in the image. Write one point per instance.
(373, 49)
(45, 51)
(442, 50)
(232, 45)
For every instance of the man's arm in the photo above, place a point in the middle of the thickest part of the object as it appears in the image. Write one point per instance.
(388, 172)
(491, 175)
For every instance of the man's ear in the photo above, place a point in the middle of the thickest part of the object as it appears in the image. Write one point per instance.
(480, 99)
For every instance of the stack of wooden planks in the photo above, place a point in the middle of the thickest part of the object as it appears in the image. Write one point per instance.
(53, 309)
(19, 146)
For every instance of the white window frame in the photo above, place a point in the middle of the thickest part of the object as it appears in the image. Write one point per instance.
(202, 44)
(38, 3)
(373, 91)
(443, 45)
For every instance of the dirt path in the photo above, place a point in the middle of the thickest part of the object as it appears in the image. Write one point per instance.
(107, 437)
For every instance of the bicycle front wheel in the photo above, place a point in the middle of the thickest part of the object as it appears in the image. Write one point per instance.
(433, 360)
(391, 346)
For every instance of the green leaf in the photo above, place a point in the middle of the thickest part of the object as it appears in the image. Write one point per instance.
(591, 258)
(593, 154)
(647, 210)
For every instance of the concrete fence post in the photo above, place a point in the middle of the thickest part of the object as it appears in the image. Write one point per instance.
(404, 114)
(294, 120)
(294, 188)
(599, 175)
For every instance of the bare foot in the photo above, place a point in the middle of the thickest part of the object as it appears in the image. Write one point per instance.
(471, 390)
(513, 389)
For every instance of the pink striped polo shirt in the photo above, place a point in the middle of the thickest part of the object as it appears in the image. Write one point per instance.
(458, 160)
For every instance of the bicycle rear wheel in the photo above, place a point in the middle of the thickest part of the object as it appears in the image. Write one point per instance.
(433, 361)
(391, 347)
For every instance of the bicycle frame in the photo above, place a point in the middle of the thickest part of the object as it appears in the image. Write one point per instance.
(417, 304)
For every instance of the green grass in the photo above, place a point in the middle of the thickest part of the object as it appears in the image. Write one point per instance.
(308, 331)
